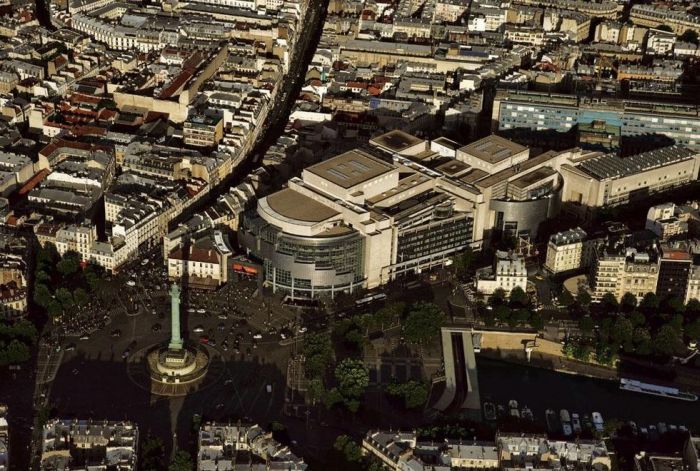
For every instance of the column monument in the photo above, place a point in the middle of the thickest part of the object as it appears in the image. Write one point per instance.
(176, 368)
(175, 338)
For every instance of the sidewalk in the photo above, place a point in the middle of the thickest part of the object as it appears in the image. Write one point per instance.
(553, 362)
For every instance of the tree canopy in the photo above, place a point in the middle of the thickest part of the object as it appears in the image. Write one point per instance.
(422, 323)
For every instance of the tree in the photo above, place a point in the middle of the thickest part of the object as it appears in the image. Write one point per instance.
(638, 318)
(518, 297)
(463, 263)
(350, 451)
(80, 296)
(315, 390)
(502, 313)
(674, 305)
(692, 330)
(622, 330)
(13, 353)
(413, 393)
(629, 302)
(497, 297)
(609, 303)
(352, 378)
(42, 295)
(68, 266)
(689, 36)
(64, 297)
(152, 454)
(665, 28)
(318, 354)
(422, 324)
(642, 339)
(649, 304)
(565, 298)
(586, 325)
(583, 299)
(693, 307)
(181, 461)
(54, 308)
(667, 340)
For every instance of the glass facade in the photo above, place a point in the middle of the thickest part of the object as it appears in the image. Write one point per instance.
(448, 235)
(305, 266)
(678, 124)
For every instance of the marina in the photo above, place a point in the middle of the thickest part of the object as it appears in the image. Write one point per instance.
(543, 390)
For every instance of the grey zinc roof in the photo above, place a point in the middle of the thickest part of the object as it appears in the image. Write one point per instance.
(613, 166)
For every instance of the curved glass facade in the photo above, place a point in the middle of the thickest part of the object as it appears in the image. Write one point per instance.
(305, 266)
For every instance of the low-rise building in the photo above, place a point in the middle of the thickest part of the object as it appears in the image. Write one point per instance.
(508, 271)
(202, 262)
(667, 221)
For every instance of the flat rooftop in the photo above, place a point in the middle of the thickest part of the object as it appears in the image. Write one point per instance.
(351, 168)
(493, 149)
(396, 140)
(533, 177)
(613, 166)
(452, 167)
(294, 205)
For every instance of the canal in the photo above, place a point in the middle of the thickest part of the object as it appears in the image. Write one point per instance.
(541, 389)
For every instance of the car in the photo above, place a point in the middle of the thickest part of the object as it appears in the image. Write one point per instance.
(70, 347)
(116, 333)
(204, 339)
(302, 330)
(198, 329)
(228, 382)
(223, 316)
(145, 261)
(85, 337)
(156, 328)
(257, 336)
(131, 283)
(283, 336)
(633, 428)
(201, 311)
(126, 353)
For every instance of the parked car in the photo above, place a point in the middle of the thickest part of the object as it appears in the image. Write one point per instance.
(116, 333)
(198, 329)
(598, 421)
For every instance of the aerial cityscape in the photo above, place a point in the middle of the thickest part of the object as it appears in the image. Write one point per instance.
(411, 235)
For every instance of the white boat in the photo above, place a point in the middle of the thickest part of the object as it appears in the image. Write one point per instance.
(598, 421)
(564, 416)
(656, 390)
(566, 428)
(576, 423)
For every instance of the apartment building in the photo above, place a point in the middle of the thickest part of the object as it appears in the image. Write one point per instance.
(654, 16)
(619, 269)
(87, 444)
(403, 450)
(228, 447)
(568, 251)
(203, 130)
(675, 264)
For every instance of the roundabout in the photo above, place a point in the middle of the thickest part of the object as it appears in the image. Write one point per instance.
(177, 368)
